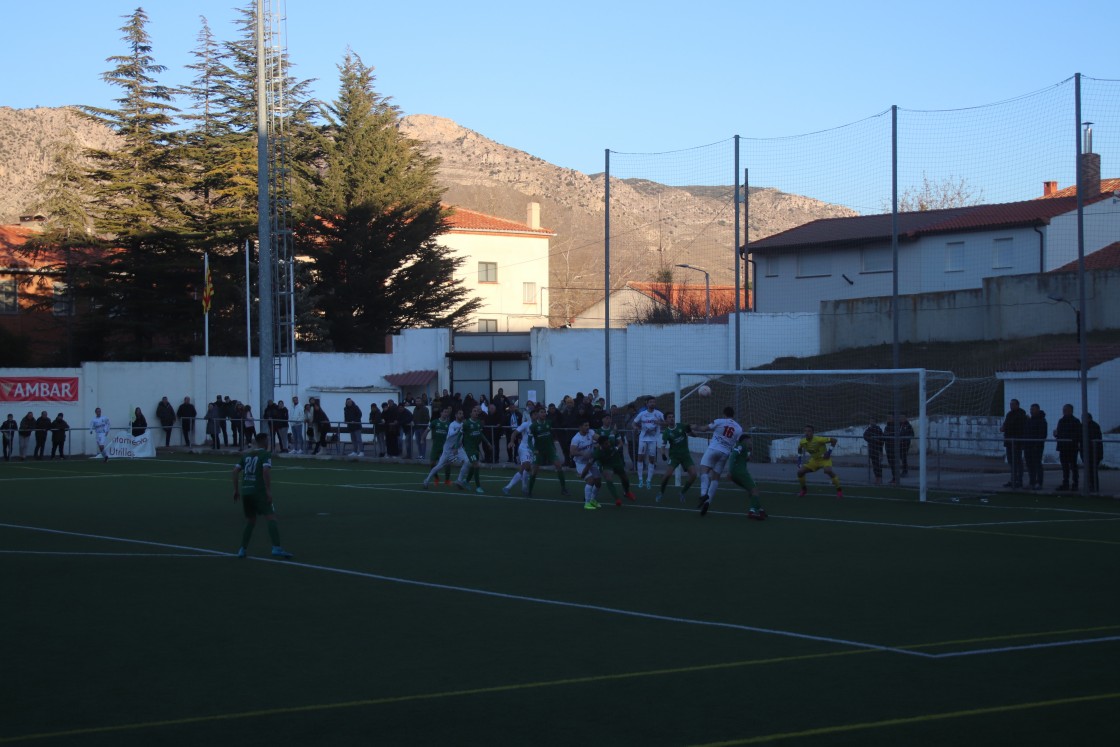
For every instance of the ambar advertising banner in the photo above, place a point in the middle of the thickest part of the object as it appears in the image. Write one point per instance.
(39, 388)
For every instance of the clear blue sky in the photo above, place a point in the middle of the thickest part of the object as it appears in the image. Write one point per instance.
(564, 81)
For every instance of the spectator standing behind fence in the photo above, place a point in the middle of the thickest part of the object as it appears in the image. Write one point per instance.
(26, 433)
(9, 428)
(280, 425)
(239, 425)
(220, 416)
(1036, 432)
(1068, 435)
(1014, 430)
(322, 426)
(165, 414)
(873, 435)
(297, 425)
(309, 425)
(1094, 454)
(392, 429)
(906, 435)
(212, 430)
(59, 427)
(139, 423)
(421, 418)
(248, 427)
(893, 445)
(352, 414)
(187, 414)
(233, 410)
(267, 417)
(404, 417)
(42, 428)
(377, 424)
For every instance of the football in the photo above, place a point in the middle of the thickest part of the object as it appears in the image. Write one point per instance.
(704, 390)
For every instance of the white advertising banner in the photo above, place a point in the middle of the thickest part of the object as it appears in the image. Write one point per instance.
(124, 445)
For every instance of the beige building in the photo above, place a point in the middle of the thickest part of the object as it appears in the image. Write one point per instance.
(506, 266)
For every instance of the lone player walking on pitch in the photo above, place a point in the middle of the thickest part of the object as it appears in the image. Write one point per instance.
(252, 484)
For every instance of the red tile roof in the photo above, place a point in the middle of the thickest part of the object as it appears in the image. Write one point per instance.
(1105, 258)
(410, 378)
(471, 221)
(11, 238)
(693, 294)
(867, 228)
(1107, 185)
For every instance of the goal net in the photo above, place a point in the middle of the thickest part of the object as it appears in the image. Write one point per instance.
(775, 407)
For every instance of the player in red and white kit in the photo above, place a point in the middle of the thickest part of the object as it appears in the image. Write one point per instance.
(649, 423)
(725, 435)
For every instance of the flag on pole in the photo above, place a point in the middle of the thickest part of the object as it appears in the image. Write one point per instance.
(208, 290)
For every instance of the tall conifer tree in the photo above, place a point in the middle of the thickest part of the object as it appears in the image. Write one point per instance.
(374, 240)
(137, 304)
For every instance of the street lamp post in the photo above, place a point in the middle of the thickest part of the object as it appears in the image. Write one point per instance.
(707, 291)
(1076, 311)
(1082, 367)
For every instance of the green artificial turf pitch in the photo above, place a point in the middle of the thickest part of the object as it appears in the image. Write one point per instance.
(413, 617)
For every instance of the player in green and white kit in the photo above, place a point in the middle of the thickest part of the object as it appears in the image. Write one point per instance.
(438, 428)
(608, 430)
(473, 437)
(545, 446)
(741, 475)
(252, 484)
(675, 438)
(607, 456)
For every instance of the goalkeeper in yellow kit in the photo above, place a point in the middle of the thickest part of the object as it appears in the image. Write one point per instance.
(815, 453)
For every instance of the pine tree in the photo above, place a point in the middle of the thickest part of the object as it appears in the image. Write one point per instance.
(375, 238)
(138, 186)
(135, 303)
(221, 153)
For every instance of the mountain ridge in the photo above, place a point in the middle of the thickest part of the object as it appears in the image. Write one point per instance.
(653, 226)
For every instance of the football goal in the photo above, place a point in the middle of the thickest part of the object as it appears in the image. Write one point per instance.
(775, 407)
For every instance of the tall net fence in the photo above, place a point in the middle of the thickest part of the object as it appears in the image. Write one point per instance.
(672, 240)
(985, 265)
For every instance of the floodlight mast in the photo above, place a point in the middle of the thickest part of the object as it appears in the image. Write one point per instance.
(266, 347)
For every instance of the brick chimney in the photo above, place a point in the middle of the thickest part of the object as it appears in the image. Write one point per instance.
(1049, 188)
(1091, 174)
(533, 214)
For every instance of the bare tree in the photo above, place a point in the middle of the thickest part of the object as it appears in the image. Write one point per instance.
(950, 192)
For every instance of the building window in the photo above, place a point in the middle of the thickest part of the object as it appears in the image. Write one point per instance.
(487, 325)
(9, 300)
(812, 264)
(876, 259)
(1003, 253)
(954, 256)
(63, 302)
(528, 293)
(487, 272)
(771, 266)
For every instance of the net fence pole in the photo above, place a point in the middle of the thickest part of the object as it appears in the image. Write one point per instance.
(738, 274)
(923, 436)
(1087, 448)
(607, 275)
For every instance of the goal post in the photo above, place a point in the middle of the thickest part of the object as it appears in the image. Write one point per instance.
(775, 407)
